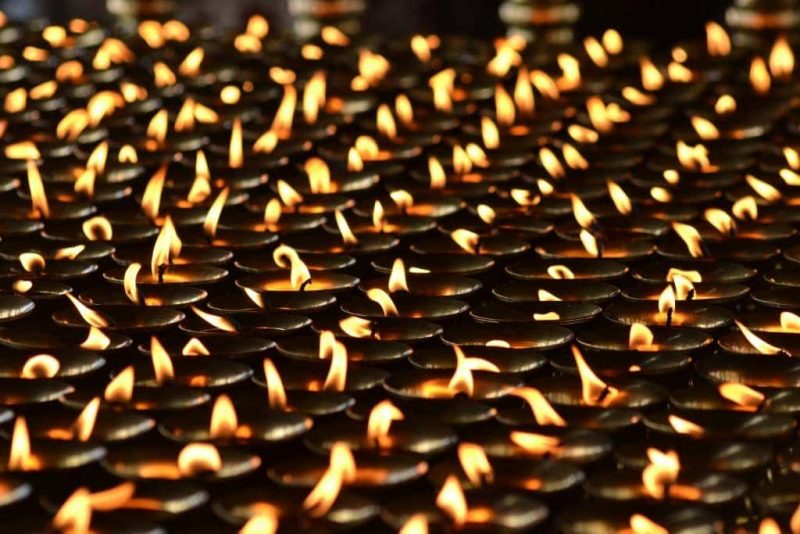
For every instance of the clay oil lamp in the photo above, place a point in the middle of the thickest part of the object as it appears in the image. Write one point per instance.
(450, 93)
(52, 459)
(380, 304)
(400, 203)
(457, 178)
(150, 295)
(124, 318)
(399, 224)
(90, 425)
(270, 324)
(484, 220)
(365, 153)
(692, 247)
(730, 396)
(193, 461)
(224, 425)
(549, 478)
(690, 163)
(359, 350)
(68, 366)
(15, 306)
(646, 339)
(318, 400)
(386, 328)
(517, 361)
(275, 217)
(296, 290)
(123, 394)
(635, 360)
(20, 338)
(423, 282)
(679, 304)
(171, 262)
(773, 337)
(385, 430)
(457, 397)
(591, 393)
(463, 241)
(713, 272)
(663, 480)
(475, 508)
(364, 244)
(725, 425)
(318, 178)
(317, 493)
(588, 246)
(185, 371)
(556, 290)
(601, 516)
(39, 207)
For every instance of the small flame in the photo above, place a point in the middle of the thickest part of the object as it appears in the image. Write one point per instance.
(276, 393)
(95, 340)
(378, 218)
(356, 327)
(790, 322)
(759, 76)
(91, 317)
(466, 239)
(341, 470)
(544, 295)
(543, 411)
(560, 272)
(230, 94)
(582, 134)
(385, 122)
(661, 472)
(489, 133)
(348, 237)
(285, 256)
(214, 213)
(314, 96)
(620, 199)
(763, 189)
(372, 67)
(75, 515)
(643, 525)
(84, 425)
(720, 220)
(756, 342)
(637, 97)
(380, 421)
(652, 79)
(266, 143)
(691, 238)
(217, 321)
(235, 150)
(683, 286)
(319, 176)
(504, 107)
(416, 524)
(705, 128)
(524, 197)
(22, 150)
(224, 421)
(421, 48)
(197, 458)
(792, 157)
(640, 337)
(462, 163)
(486, 213)
(746, 208)
(768, 525)
(589, 243)
(475, 464)
(354, 161)
(190, 66)
(461, 381)
(718, 42)
(594, 391)
(666, 303)
(397, 277)
(595, 51)
(127, 154)
(167, 246)
(570, 78)
(265, 521)
(36, 186)
(284, 116)
(612, 42)
(151, 198)
(725, 104)
(120, 389)
(694, 158)
(402, 199)
(97, 159)
(684, 426)
(437, 174)
(97, 228)
(742, 395)
(384, 301)
(129, 282)
(195, 347)
(573, 157)
(21, 286)
(40, 366)
(20, 457)
(32, 262)
(539, 444)
(337, 373)
(289, 196)
(257, 26)
(442, 85)
(452, 501)
(583, 216)
(789, 177)
(16, 100)
(781, 59)
(162, 364)
(551, 163)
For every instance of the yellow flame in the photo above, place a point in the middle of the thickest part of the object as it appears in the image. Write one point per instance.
(551, 163)
(341, 470)
(167, 246)
(691, 238)
(214, 213)
(475, 464)
(594, 391)
(276, 393)
(91, 317)
(570, 78)
(661, 471)
(759, 76)
(95, 340)
(75, 515)
(197, 458)
(224, 421)
(742, 395)
(652, 79)
(442, 85)
(84, 425)
(756, 342)
(162, 364)
(763, 189)
(348, 237)
(725, 104)
(684, 426)
(284, 116)
(380, 421)
(641, 337)
(595, 51)
(543, 411)
(20, 457)
(40, 366)
(190, 66)
(39, 202)
(217, 321)
(718, 43)
(705, 128)
(120, 389)
(643, 525)
(451, 501)
(781, 59)
(384, 301)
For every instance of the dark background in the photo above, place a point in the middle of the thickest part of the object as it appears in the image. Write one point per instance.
(660, 20)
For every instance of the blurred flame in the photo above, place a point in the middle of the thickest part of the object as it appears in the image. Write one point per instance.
(583, 216)
(725, 104)
(120, 389)
(129, 282)
(442, 85)
(284, 116)
(756, 342)
(341, 470)
(421, 48)
(288, 195)
(466, 239)
(40, 366)
(691, 238)
(265, 521)
(20, 457)
(32, 262)
(224, 421)
(214, 213)
(718, 43)
(594, 391)
(543, 411)
(720, 220)
(319, 176)
(451, 501)
(195, 347)
(336, 378)
(489, 133)
(694, 158)
(763, 189)
(759, 76)
(95, 340)
(661, 472)
(314, 96)
(190, 66)
(36, 186)
(84, 425)
(652, 79)
(544, 295)
(385, 122)
(560, 272)
(276, 393)
(97, 228)
(551, 163)
(589, 243)
(539, 444)
(217, 321)
(683, 426)
(348, 237)
(781, 59)
(790, 322)
(582, 134)
(22, 150)
(75, 515)
(437, 174)
(620, 199)
(666, 304)
(416, 524)
(16, 100)
(198, 458)
(742, 395)
(641, 337)
(612, 42)
(380, 421)
(162, 364)
(475, 464)
(91, 317)
(384, 301)
(705, 128)
(595, 51)
(504, 107)
(570, 78)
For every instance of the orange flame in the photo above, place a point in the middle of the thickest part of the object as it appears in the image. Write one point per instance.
(162, 363)
(756, 342)
(759, 76)
(475, 464)
(380, 421)
(36, 186)
(543, 411)
(640, 337)
(661, 471)
(95, 340)
(594, 391)
(684, 426)
(276, 393)
(151, 198)
(168, 245)
(91, 317)
(197, 458)
(691, 238)
(75, 515)
(224, 421)
(452, 501)
(40, 366)
(746, 397)
(214, 213)
(120, 389)
(97, 228)
(718, 42)
(217, 321)
(84, 425)
(652, 79)
(781, 59)
(384, 301)
(20, 457)
(725, 104)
